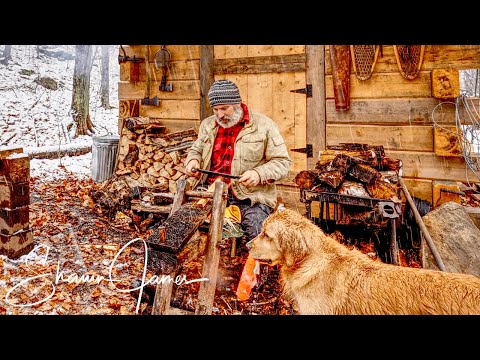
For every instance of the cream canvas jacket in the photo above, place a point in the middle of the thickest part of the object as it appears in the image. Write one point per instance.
(259, 146)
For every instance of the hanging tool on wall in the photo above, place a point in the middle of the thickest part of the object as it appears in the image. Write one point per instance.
(134, 66)
(340, 60)
(147, 100)
(162, 61)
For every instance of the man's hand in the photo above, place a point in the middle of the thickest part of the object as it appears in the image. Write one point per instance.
(250, 178)
(193, 164)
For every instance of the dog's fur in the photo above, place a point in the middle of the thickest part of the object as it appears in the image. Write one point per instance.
(322, 276)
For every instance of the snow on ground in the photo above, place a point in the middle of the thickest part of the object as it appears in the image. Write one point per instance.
(34, 116)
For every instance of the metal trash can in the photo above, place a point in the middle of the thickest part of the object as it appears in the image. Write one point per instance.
(104, 156)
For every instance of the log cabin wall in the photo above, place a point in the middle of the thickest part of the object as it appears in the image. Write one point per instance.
(384, 110)
(392, 111)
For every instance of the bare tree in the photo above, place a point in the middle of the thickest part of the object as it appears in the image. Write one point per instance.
(470, 82)
(7, 54)
(105, 75)
(81, 90)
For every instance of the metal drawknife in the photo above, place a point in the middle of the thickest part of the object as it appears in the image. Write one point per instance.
(216, 173)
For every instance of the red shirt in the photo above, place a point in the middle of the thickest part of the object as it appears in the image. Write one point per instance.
(224, 147)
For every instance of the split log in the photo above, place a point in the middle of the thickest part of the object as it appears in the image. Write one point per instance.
(58, 151)
(332, 178)
(353, 188)
(139, 205)
(380, 189)
(306, 179)
(176, 147)
(150, 156)
(391, 164)
(368, 157)
(364, 173)
(455, 236)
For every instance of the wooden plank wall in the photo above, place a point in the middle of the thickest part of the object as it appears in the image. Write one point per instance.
(265, 74)
(384, 110)
(399, 114)
(179, 109)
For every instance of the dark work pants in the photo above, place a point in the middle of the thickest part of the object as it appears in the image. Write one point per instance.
(253, 216)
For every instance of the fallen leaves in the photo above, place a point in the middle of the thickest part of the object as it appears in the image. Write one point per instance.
(80, 244)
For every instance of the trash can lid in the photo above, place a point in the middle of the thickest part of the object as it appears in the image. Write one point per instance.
(106, 139)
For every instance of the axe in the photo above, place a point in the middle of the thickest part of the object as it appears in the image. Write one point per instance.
(147, 100)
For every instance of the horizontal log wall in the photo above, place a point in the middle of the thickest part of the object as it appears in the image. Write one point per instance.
(400, 114)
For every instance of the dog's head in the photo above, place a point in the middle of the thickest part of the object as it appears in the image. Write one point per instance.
(285, 239)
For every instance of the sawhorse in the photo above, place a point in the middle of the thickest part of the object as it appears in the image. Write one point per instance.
(206, 293)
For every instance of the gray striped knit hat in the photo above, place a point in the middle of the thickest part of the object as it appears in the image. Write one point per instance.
(224, 92)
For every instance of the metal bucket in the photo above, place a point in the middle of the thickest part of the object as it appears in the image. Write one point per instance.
(104, 156)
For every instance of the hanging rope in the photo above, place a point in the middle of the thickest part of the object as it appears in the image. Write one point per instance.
(467, 132)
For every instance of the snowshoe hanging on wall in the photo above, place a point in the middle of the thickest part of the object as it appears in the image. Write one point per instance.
(364, 58)
(409, 59)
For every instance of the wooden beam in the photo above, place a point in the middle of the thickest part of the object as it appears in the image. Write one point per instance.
(395, 111)
(392, 137)
(163, 292)
(207, 77)
(391, 85)
(316, 109)
(178, 52)
(261, 64)
(173, 109)
(427, 165)
(436, 57)
(178, 70)
(206, 293)
(183, 90)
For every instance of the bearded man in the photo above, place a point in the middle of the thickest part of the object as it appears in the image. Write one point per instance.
(238, 141)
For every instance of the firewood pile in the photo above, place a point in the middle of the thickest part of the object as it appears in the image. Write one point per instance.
(150, 157)
(149, 160)
(353, 170)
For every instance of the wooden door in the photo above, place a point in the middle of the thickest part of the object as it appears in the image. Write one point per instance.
(265, 75)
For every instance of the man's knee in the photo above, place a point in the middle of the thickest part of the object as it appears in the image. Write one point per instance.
(253, 219)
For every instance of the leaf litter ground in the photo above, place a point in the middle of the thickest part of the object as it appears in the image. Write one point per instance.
(85, 261)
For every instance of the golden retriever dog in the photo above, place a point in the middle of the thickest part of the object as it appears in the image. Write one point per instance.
(323, 276)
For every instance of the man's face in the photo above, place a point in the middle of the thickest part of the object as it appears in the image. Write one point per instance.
(223, 110)
(228, 115)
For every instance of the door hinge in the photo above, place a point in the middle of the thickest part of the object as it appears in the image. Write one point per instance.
(306, 90)
(306, 150)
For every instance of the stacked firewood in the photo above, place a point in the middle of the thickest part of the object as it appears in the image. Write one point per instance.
(149, 156)
(353, 169)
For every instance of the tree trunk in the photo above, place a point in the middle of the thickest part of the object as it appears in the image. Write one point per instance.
(7, 54)
(105, 75)
(81, 90)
